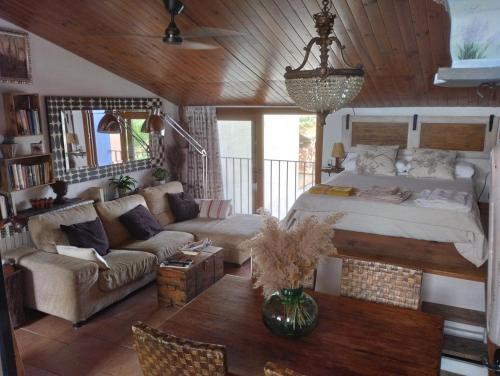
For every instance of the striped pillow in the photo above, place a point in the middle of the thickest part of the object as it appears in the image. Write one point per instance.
(215, 209)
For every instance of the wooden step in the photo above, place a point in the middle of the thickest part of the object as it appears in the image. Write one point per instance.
(456, 314)
(464, 348)
(431, 257)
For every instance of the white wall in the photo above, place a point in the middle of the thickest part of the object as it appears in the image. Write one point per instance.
(57, 71)
(335, 130)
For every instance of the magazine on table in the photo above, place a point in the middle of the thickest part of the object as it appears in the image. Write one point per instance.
(193, 249)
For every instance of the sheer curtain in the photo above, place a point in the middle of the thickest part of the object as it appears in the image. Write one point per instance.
(202, 125)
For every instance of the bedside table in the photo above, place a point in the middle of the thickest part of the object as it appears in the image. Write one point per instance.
(332, 170)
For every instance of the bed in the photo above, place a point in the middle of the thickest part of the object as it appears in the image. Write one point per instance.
(406, 220)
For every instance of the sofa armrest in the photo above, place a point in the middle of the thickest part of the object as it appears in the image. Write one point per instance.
(54, 283)
(18, 253)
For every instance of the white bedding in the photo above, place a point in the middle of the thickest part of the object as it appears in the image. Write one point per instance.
(407, 220)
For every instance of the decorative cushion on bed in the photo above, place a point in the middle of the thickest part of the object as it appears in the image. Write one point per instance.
(376, 160)
(433, 163)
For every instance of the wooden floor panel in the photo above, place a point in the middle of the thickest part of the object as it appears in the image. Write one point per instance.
(431, 257)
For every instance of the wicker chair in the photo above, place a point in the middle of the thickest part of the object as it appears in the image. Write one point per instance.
(272, 369)
(166, 355)
(381, 283)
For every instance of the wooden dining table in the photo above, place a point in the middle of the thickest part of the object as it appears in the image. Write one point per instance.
(353, 337)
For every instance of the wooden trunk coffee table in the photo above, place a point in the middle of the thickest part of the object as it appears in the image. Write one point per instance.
(177, 286)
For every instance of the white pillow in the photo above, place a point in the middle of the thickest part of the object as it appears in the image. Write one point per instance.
(464, 170)
(402, 167)
(350, 162)
(89, 254)
(215, 209)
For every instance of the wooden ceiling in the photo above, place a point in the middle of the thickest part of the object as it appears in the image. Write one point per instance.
(401, 44)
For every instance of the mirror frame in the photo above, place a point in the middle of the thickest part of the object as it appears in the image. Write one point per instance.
(57, 104)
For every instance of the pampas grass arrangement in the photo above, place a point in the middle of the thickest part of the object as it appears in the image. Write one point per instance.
(286, 259)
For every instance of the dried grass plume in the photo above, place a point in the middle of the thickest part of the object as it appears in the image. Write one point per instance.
(287, 258)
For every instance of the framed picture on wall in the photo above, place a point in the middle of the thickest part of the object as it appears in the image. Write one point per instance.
(15, 64)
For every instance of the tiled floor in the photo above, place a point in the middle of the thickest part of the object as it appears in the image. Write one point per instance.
(103, 346)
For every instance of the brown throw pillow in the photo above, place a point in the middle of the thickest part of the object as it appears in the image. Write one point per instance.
(89, 234)
(140, 223)
(183, 206)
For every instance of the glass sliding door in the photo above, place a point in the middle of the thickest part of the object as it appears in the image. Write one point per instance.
(235, 143)
(288, 160)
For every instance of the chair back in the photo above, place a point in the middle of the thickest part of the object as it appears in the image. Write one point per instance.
(381, 283)
(272, 369)
(161, 354)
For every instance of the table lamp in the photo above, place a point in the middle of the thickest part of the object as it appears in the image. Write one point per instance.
(338, 152)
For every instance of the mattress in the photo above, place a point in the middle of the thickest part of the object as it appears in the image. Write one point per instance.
(407, 220)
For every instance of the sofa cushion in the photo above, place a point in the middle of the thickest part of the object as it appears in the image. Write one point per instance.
(110, 211)
(140, 223)
(156, 199)
(89, 234)
(227, 233)
(163, 245)
(45, 228)
(183, 206)
(125, 267)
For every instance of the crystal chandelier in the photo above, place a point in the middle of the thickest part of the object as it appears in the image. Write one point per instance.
(323, 89)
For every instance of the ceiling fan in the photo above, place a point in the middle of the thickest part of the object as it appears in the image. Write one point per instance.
(186, 40)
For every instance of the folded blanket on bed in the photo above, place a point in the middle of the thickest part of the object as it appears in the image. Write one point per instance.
(385, 194)
(445, 199)
(331, 190)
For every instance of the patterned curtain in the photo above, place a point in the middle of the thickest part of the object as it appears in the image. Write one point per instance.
(157, 156)
(202, 126)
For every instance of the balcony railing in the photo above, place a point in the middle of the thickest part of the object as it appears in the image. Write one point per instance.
(284, 181)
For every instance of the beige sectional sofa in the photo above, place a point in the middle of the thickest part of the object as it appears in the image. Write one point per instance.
(75, 289)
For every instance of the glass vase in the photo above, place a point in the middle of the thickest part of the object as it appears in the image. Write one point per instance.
(290, 313)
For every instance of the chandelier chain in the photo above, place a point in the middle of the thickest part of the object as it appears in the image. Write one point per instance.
(327, 5)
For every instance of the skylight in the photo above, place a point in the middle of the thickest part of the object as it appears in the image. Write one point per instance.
(475, 33)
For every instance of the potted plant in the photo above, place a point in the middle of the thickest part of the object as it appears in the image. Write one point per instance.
(283, 262)
(124, 184)
(160, 175)
(8, 146)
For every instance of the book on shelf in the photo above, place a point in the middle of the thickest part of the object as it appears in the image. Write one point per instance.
(26, 176)
(4, 214)
(28, 122)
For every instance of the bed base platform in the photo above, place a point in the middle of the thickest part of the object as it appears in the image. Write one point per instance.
(432, 257)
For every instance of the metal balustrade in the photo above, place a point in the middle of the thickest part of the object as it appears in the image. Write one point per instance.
(284, 181)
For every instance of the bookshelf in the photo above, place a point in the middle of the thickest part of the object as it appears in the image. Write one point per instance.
(25, 172)
(22, 114)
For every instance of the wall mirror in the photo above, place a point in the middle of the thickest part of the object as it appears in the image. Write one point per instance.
(84, 150)
(86, 146)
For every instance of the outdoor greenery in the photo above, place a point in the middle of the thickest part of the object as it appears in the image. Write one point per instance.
(472, 50)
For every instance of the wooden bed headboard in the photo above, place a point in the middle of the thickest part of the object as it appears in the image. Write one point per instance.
(373, 133)
(449, 136)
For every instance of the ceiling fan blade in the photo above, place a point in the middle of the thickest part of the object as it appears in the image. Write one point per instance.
(124, 35)
(210, 32)
(189, 45)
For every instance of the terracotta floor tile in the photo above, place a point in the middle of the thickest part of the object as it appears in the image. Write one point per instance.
(37, 350)
(119, 362)
(35, 371)
(81, 357)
